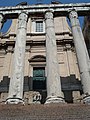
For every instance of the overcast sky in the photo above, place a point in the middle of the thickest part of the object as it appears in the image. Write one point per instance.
(15, 2)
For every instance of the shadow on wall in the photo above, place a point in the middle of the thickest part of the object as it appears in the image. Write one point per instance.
(68, 84)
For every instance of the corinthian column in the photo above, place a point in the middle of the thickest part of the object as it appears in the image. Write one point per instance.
(54, 93)
(17, 78)
(82, 55)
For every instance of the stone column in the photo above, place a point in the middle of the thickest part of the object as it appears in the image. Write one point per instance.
(82, 54)
(1, 21)
(17, 78)
(54, 93)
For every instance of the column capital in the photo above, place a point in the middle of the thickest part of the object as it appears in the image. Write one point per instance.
(73, 14)
(23, 12)
(22, 20)
(1, 17)
(1, 20)
(49, 10)
(49, 14)
(23, 16)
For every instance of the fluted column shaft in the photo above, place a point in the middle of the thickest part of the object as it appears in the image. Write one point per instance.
(17, 78)
(82, 54)
(54, 93)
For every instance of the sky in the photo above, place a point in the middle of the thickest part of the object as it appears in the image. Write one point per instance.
(15, 2)
(4, 3)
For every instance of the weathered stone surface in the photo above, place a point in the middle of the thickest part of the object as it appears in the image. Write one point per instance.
(54, 92)
(62, 9)
(16, 82)
(45, 112)
(67, 58)
(32, 97)
(82, 53)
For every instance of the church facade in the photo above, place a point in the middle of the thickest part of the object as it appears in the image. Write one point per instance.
(44, 68)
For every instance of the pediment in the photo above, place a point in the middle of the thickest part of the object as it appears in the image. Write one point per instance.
(38, 58)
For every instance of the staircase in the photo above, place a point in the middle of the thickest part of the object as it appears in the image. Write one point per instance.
(45, 112)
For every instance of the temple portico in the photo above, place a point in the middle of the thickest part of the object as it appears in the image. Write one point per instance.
(53, 83)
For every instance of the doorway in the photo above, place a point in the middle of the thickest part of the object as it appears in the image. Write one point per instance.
(39, 79)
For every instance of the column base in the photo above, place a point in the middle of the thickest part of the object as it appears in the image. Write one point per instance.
(54, 99)
(14, 101)
(86, 99)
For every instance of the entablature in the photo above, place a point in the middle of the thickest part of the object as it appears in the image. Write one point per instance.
(83, 9)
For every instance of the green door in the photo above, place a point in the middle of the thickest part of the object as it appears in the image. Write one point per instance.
(39, 79)
(39, 73)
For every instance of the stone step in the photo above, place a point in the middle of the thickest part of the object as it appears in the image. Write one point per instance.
(45, 112)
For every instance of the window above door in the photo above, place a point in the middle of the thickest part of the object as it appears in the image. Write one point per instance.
(38, 26)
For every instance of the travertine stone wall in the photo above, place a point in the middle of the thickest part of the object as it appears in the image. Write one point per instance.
(86, 32)
(60, 27)
(67, 59)
(66, 54)
(2, 60)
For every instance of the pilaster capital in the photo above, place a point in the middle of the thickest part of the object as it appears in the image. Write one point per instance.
(10, 49)
(67, 47)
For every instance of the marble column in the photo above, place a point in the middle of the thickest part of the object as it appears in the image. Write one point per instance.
(1, 21)
(82, 55)
(54, 93)
(17, 77)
